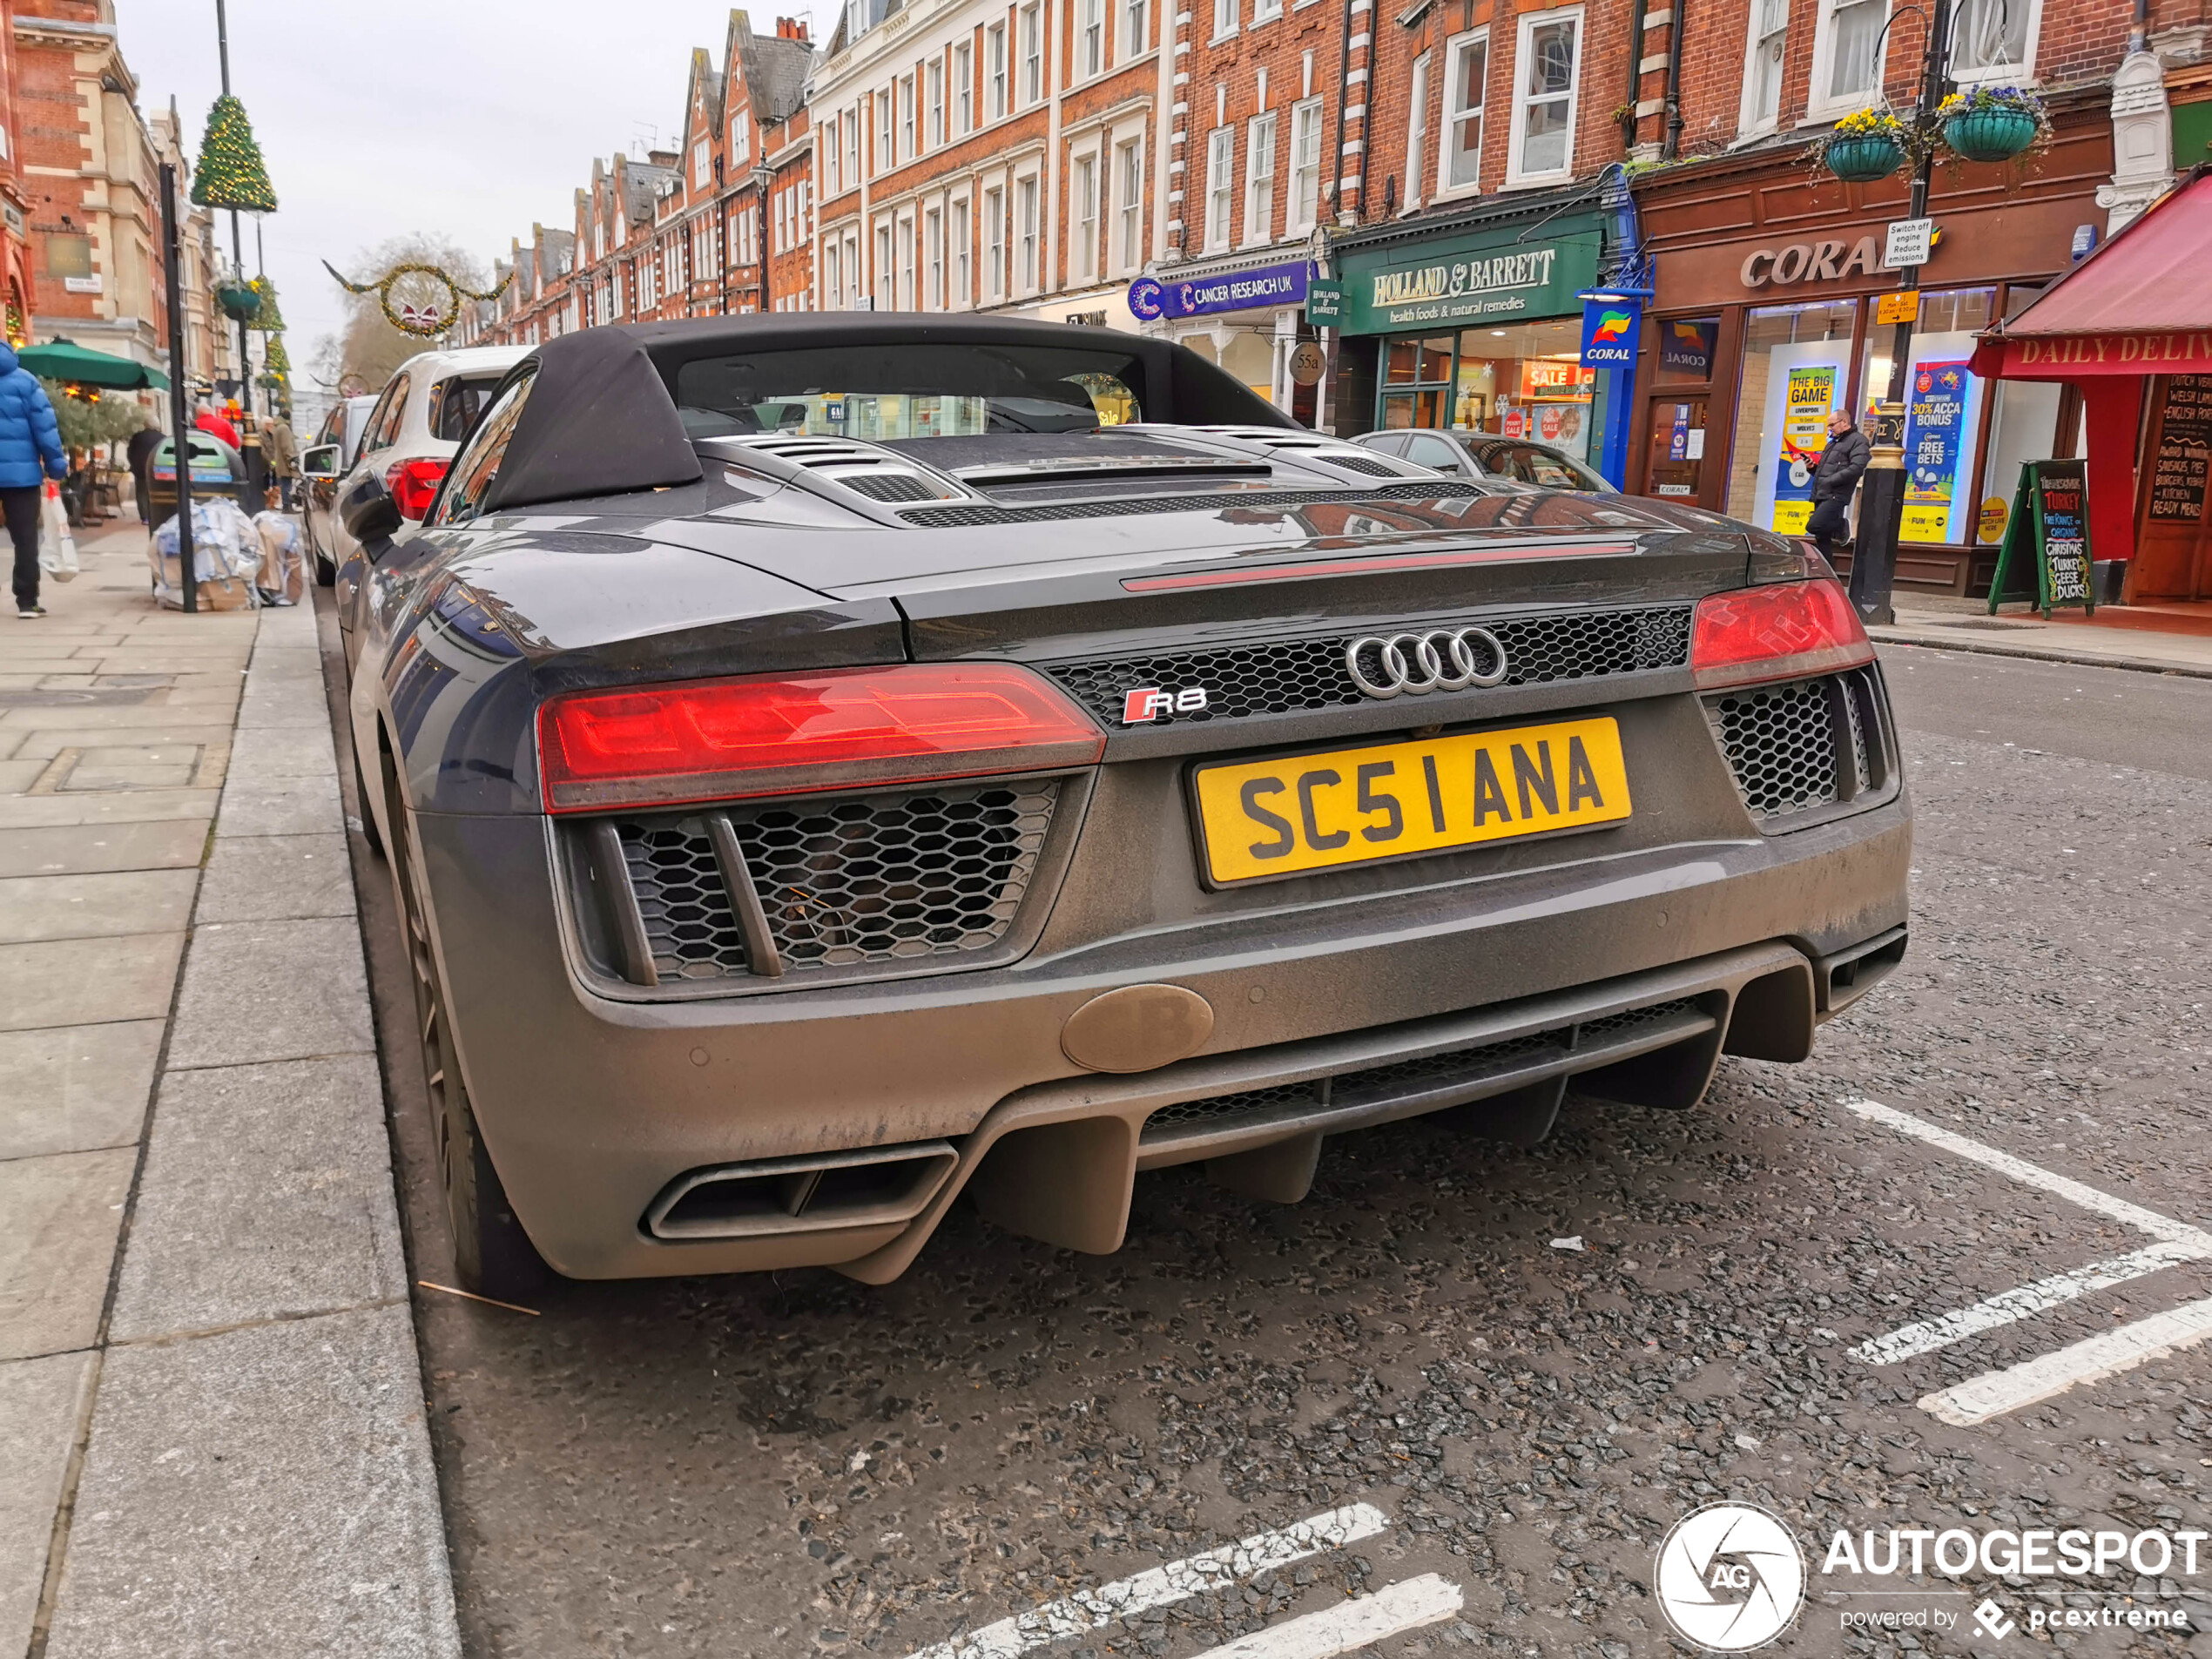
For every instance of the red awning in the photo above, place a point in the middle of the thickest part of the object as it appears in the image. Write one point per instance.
(2139, 305)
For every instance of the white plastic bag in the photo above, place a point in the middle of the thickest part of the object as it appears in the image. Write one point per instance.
(56, 547)
(283, 575)
(226, 554)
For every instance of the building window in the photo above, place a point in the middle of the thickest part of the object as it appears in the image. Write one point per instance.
(936, 74)
(932, 231)
(1265, 10)
(883, 131)
(962, 293)
(1259, 179)
(994, 242)
(1305, 165)
(1224, 18)
(851, 174)
(907, 149)
(1131, 157)
(1467, 69)
(1221, 167)
(1025, 194)
(1086, 261)
(995, 72)
(1994, 40)
(1762, 65)
(1845, 75)
(1090, 36)
(883, 268)
(701, 163)
(832, 280)
(1032, 54)
(1416, 134)
(1544, 127)
(1133, 28)
(964, 89)
(905, 286)
(740, 141)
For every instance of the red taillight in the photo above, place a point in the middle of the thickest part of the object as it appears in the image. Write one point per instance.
(721, 740)
(1779, 632)
(414, 484)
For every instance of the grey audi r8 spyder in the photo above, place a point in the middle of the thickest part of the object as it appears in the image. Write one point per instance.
(829, 765)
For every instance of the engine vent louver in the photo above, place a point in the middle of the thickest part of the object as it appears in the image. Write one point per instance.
(955, 515)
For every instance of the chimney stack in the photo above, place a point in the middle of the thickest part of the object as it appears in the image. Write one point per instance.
(791, 28)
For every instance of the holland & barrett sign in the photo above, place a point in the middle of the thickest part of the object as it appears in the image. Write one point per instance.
(1467, 280)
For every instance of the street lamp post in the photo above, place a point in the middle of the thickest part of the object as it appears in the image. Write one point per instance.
(762, 178)
(1881, 504)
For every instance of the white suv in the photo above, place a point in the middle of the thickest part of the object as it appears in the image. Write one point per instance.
(411, 437)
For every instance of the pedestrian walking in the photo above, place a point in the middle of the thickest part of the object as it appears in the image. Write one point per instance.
(31, 452)
(144, 443)
(209, 421)
(1841, 460)
(280, 450)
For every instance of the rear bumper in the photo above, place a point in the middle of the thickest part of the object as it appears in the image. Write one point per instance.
(592, 1107)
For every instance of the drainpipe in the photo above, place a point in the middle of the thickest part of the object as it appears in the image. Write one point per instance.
(2139, 28)
(1344, 103)
(1672, 145)
(1629, 123)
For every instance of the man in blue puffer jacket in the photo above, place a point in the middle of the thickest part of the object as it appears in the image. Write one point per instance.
(31, 452)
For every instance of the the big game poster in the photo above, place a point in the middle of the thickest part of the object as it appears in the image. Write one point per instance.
(1807, 393)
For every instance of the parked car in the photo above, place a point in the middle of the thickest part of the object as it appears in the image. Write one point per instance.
(341, 434)
(794, 831)
(1483, 455)
(407, 439)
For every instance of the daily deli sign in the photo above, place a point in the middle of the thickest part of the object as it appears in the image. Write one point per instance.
(1468, 281)
(2064, 357)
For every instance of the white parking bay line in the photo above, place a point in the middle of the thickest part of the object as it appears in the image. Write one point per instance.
(1911, 1341)
(1994, 1394)
(1355, 1624)
(1265, 1552)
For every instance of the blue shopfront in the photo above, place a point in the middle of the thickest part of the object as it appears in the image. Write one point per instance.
(1482, 327)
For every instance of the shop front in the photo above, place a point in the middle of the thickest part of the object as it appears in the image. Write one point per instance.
(1246, 314)
(1476, 325)
(1771, 310)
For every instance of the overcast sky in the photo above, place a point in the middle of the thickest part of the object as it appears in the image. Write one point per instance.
(465, 119)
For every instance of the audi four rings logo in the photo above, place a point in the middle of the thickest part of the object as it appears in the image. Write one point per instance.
(1447, 659)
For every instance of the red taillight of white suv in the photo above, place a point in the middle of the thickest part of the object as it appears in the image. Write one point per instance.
(414, 484)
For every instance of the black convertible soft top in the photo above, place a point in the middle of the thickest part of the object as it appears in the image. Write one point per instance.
(601, 418)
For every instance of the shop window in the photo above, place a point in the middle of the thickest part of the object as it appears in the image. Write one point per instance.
(1466, 69)
(1763, 70)
(1542, 145)
(1994, 40)
(1943, 404)
(1796, 362)
(1676, 459)
(1686, 346)
(1845, 75)
(1525, 381)
(1417, 376)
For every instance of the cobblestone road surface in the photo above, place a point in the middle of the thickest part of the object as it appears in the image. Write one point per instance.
(802, 1465)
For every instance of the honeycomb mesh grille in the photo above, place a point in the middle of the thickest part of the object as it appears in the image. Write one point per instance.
(954, 517)
(1291, 676)
(1400, 1078)
(1780, 741)
(867, 880)
(888, 486)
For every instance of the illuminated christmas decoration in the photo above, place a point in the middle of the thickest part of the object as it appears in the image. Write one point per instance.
(266, 319)
(230, 172)
(419, 300)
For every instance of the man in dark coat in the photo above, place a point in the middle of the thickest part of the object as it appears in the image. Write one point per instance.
(31, 452)
(1842, 461)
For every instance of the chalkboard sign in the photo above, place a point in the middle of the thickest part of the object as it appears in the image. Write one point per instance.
(2044, 560)
(2180, 467)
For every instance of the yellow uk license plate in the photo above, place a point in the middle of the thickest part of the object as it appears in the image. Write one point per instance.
(1264, 818)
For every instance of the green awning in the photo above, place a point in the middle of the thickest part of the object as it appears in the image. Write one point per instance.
(64, 360)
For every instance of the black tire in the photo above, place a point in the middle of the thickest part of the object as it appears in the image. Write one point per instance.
(492, 1254)
(325, 572)
(363, 800)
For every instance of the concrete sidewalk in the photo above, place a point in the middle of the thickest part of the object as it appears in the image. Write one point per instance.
(1966, 624)
(210, 1408)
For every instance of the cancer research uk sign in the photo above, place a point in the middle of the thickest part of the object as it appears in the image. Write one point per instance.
(1263, 287)
(1469, 280)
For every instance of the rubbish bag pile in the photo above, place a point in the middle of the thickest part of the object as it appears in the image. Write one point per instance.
(227, 558)
(283, 579)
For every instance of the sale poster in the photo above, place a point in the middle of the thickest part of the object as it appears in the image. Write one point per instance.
(1808, 395)
(1935, 438)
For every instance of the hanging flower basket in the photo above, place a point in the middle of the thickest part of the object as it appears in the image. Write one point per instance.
(1861, 160)
(1993, 123)
(238, 298)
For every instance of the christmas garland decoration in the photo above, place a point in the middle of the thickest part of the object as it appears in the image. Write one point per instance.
(429, 320)
(230, 172)
(266, 319)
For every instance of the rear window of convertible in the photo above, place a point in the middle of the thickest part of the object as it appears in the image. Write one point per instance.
(909, 390)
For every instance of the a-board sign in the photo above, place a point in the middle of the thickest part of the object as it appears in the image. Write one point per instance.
(2044, 560)
(2179, 466)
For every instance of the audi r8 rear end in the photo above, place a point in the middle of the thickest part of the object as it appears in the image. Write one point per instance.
(830, 766)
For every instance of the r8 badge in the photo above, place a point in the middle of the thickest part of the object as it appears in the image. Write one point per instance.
(1151, 703)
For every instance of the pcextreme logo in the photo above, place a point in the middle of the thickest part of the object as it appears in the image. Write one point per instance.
(1730, 1577)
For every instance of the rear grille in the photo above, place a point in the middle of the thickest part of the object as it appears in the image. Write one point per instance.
(952, 517)
(889, 486)
(1361, 463)
(846, 883)
(1802, 745)
(1291, 675)
(1406, 1077)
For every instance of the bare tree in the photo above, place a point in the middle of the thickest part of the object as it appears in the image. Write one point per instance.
(368, 346)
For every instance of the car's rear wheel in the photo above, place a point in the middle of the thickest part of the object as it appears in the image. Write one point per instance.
(325, 572)
(492, 1254)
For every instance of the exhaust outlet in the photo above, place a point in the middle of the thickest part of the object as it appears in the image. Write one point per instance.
(872, 1187)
